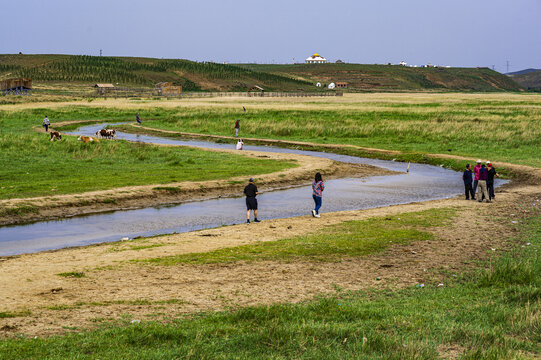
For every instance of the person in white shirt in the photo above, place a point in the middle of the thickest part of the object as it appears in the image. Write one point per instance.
(46, 123)
(240, 144)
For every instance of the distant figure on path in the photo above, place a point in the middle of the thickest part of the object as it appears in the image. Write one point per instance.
(483, 172)
(317, 191)
(237, 127)
(251, 202)
(46, 123)
(243, 109)
(138, 118)
(476, 169)
(468, 182)
(240, 144)
(490, 180)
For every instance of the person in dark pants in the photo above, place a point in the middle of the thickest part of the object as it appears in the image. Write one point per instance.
(490, 180)
(468, 182)
(251, 202)
(317, 192)
(138, 118)
(46, 123)
(476, 170)
(237, 127)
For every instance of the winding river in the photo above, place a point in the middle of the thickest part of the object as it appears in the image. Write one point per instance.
(424, 182)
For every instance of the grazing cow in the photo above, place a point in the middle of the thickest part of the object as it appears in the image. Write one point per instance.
(55, 135)
(86, 139)
(106, 133)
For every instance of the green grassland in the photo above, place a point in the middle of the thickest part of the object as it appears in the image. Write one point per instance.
(349, 239)
(481, 314)
(34, 166)
(500, 130)
(393, 77)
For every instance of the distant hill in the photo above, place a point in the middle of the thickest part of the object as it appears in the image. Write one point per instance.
(84, 71)
(529, 80)
(393, 77)
(143, 72)
(521, 72)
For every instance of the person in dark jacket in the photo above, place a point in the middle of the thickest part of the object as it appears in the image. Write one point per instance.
(483, 172)
(138, 118)
(237, 127)
(491, 174)
(251, 202)
(468, 182)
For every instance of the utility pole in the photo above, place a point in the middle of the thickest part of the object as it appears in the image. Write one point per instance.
(507, 72)
(100, 52)
(494, 67)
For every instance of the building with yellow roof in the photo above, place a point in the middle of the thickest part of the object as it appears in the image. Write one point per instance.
(316, 59)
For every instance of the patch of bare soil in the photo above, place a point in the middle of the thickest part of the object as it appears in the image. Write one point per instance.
(132, 197)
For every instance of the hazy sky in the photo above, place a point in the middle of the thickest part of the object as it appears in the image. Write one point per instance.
(444, 32)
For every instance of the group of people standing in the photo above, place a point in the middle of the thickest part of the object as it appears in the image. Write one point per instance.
(480, 181)
(251, 192)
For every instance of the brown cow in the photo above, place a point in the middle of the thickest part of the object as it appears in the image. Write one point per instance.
(55, 135)
(87, 139)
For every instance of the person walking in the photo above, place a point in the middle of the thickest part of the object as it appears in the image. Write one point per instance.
(491, 174)
(482, 183)
(237, 127)
(476, 169)
(317, 191)
(468, 182)
(138, 118)
(46, 123)
(251, 202)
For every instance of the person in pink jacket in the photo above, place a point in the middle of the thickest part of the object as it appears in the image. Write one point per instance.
(476, 170)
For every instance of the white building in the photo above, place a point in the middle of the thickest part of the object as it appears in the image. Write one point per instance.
(316, 59)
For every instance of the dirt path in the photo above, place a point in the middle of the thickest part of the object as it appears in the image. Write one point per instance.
(41, 302)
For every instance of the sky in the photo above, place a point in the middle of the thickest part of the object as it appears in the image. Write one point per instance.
(464, 33)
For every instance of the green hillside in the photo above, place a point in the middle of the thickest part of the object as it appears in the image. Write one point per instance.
(393, 77)
(530, 80)
(81, 70)
(142, 72)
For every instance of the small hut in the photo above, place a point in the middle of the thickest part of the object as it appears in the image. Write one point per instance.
(341, 84)
(167, 89)
(103, 89)
(19, 86)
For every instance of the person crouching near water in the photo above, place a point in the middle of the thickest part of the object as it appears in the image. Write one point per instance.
(317, 191)
(251, 202)
(240, 144)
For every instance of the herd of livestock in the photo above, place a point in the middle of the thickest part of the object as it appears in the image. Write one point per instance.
(100, 134)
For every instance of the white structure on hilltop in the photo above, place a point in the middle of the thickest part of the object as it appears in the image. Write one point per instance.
(316, 59)
(403, 63)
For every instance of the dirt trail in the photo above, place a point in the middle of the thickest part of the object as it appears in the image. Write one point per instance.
(113, 286)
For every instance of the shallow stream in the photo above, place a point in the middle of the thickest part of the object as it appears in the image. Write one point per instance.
(422, 183)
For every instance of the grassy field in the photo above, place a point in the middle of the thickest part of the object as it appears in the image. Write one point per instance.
(501, 128)
(482, 314)
(354, 238)
(34, 166)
